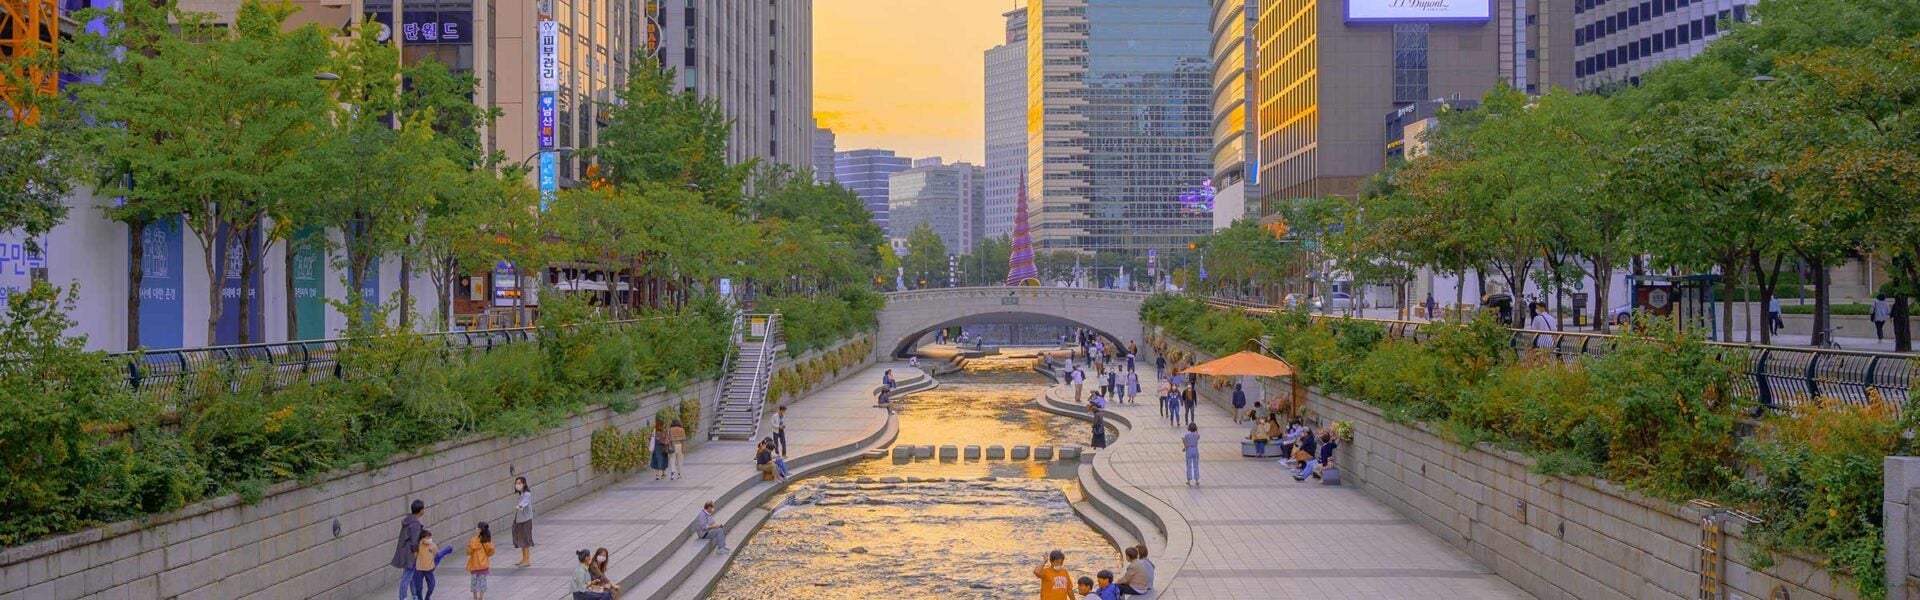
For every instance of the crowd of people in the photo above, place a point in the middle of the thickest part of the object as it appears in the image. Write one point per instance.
(1057, 582)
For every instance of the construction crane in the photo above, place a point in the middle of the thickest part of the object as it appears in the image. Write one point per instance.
(28, 28)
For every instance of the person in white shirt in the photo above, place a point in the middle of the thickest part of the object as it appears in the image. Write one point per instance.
(705, 526)
(1543, 321)
(1773, 315)
(1882, 311)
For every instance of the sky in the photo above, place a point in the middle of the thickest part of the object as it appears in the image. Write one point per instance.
(905, 75)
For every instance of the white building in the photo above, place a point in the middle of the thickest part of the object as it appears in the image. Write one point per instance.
(1006, 117)
(756, 60)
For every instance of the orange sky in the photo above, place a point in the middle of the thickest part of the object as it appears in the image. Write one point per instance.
(906, 75)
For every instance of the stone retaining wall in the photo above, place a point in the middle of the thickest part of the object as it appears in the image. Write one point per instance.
(1555, 537)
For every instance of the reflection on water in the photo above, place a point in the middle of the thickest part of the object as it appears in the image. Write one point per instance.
(934, 529)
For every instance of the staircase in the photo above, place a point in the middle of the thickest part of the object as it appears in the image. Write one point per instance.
(743, 396)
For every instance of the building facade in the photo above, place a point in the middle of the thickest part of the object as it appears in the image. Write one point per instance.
(1006, 129)
(865, 172)
(1614, 42)
(756, 60)
(948, 198)
(823, 155)
(1235, 128)
(1119, 122)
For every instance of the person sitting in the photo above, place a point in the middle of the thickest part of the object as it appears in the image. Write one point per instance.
(1303, 450)
(763, 460)
(1086, 589)
(1327, 445)
(1259, 436)
(707, 528)
(1134, 580)
(1104, 581)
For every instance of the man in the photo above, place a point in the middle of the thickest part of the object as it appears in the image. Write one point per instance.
(1773, 315)
(1079, 380)
(1160, 367)
(1432, 307)
(1087, 592)
(1104, 581)
(708, 528)
(1882, 311)
(1239, 402)
(1133, 578)
(1056, 583)
(1543, 321)
(408, 544)
(1172, 400)
(780, 429)
(1187, 400)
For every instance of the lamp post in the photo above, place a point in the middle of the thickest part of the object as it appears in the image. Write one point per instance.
(528, 163)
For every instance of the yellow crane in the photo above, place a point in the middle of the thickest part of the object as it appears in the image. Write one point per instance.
(28, 28)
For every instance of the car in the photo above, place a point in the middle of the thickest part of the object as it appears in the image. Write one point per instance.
(1340, 301)
(1620, 315)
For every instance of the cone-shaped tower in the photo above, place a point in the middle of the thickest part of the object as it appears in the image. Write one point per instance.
(1020, 269)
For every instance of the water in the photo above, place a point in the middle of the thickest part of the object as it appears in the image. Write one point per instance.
(935, 529)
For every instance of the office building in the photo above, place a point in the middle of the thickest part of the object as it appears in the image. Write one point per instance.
(822, 154)
(865, 172)
(1120, 122)
(1234, 126)
(1006, 124)
(756, 60)
(1614, 42)
(1408, 126)
(948, 198)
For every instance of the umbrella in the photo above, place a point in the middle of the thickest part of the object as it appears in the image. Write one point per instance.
(1249, 363)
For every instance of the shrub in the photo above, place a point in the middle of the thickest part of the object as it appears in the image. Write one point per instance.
(612, 451)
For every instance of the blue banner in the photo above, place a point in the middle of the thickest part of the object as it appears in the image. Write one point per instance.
(370, 290)
(162, 304)
(309, 282)
(549, 178)
(233, 275)
(549, 115)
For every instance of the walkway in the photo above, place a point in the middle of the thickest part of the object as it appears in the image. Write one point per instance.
(640, 517)
(1259, 534)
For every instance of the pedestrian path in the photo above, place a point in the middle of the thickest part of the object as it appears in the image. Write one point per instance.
(640, 517)
(1257, 533)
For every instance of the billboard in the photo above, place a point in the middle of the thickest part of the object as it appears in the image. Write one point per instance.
(238, 285)
(549, 58)
(431, 28)
(549, 178)
(162, 303)
(309, 282)
(548, 118)
(1388, 11)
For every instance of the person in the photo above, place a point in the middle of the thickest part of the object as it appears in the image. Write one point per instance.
(1542, 321)
(1324, 457)
(1433, 308)
(1773, 315)
(1187, 400)
(1129, 361)
(763, 459)
(1258, 435)
(780, 465)
(597, 568)
(426, 559)
(1160, 367)
(1133, 576)
(1304, 449)
(1132, 348)
(886, 380)
(1259, 412)
(677, 435)
(1054, 577)
(583, 578)
(1239, 402)
(1133, 385)
(885, 398)
(523, 521)
(780, 429)
(662, 446)
(913, 361)
(409, 544)
(1147, 566)
(1882, 311)
(1116, 385)
(708, 528)
(1099, 428)
(1097, 400)
(1190, 443)
(480, 559)
(1087, 591)
(1173, 407)
(1104, 581)
(1079, 380)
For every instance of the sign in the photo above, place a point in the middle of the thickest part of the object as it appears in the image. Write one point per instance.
(549, 57)
(19, 267)
(549, 178)
(653, 37)
(431, 28)
(1388, 11)
(162, 306)
(309, 283)
(506, 284)
(548, 118)
(238, 286)
(370, 291)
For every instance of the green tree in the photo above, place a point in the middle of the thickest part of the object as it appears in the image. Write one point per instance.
(656, 134)
(926, 259)
(987, 264)
(1245, 256)
(42, 155)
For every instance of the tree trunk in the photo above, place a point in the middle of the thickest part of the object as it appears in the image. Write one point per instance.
(1729, 281)
(293, 313)
(406, 285)
(1767, 279)
(1602, 289)
(1822, 303)
(1902, 329)
(136, 272)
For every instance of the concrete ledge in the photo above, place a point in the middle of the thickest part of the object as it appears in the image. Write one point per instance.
(949, 452)
(970, 453)
(996, 452)
(1043, 453)
(1020, 453)
(923, 451)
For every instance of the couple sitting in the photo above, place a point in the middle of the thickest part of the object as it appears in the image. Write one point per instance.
(1314, 460)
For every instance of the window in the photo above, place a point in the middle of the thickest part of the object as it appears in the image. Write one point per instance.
(1699, 28)
(1740, 13)
(1533, 19)
(1410, 62)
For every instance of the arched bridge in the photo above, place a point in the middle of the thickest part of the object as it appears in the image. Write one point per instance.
(1114, 314)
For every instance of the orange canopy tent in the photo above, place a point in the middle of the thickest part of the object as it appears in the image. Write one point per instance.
(1253, 364)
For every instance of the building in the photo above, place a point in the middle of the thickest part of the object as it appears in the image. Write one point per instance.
(1120, 122)
(1615, 42)
(822, 154)
(949, 198)
(1006, 116)
(1235, 129)
(1407, 126)
(756, 60)
(865, 172)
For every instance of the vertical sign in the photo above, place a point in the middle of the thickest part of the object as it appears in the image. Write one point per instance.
(236, 287)
(370, 290)
(548, 119)
(506, 284)
(17, 265)
(548, 65)
(549, 179)
(309, 283)
(161, 306)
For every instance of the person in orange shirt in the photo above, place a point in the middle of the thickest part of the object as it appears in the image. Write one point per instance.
(480, 559)
(1056, 583)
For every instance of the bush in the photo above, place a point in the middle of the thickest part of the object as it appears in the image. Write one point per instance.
(1850, 309)
(612, 451)
(810, 323)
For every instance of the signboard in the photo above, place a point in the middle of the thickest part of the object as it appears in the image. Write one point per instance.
(162, 308)
(549, 179)
(506, 284)
(548, 63)
(548, 117)
(653, 29)
(18, 266)
(370, 291)
(432, 28)
(238, 286)
(309, 283)
(1387, 11)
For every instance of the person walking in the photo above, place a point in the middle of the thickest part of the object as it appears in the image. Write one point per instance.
(1543, 321)
(1129, 361)
(662, 446)
(1187, 400)
(1432, 307)
(707, 528)
(1160, 367)
(780, 429)
(1239, 402)
(1113, 383)
(1881, 313)
(677, 436)
(1133, 386)
(1190, 444)
(1773, 315)
(408, 546)
(1099, 428)
(523, 521)
(480, 560)
(1173, 407)
(424, 562)
(1079, 381)
(1056, 582)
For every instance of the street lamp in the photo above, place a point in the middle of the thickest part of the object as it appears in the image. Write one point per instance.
(536, 154)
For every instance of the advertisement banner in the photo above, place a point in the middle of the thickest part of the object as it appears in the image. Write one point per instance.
(309, 283)
(653, 29)
(1414, 11)
(548, 117)
(17, 265)
(506, 284)
(549, 179)
(431, 28)
(162, 307)
(548, 63)
(237, 287)
(370, 290)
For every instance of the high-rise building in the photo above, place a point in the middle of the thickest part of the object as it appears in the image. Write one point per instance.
(1119, 122)
(822, 154)
(756, 60)
(1234, 125)
(865, 172)
(1615, 42)
(1006, 124)
(945, 197)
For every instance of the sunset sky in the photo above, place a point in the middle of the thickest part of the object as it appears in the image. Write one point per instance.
(906, 75)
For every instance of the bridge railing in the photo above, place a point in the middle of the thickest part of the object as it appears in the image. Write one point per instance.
(1779, 377)
(1013, 292)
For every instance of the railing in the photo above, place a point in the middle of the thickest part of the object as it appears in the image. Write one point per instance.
(1015, 292)
(1779, 377)
(726, 370)
(763, 370)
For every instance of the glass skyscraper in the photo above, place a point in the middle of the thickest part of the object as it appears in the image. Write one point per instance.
(865, 172)
(1119, 127)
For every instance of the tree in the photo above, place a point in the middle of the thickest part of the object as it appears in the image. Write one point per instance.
(1245, 256)
(656, 134)
(41, 154)
(988, 263)
(926, 258)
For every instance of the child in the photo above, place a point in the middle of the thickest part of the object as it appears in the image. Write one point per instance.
(1108, 591)
(1086, 589)
(480, 559)
(425, 560)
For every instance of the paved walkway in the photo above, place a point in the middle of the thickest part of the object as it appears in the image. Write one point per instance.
(639, 517)
(1259, 534)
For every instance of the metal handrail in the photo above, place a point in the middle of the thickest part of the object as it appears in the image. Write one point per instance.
(763, 371)
(726, 368)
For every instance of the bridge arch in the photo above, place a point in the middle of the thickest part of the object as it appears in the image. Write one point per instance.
(1113, 314)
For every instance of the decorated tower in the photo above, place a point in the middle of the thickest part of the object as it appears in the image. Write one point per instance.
(1020, 269)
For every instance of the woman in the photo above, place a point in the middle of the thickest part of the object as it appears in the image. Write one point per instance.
(1099, 429)
(662, 446)
(677, 436)
(1133, 385)
(583, 579)
(1259, 435)
(480, 560)
(523, 522)
(1190, 443)
(597, 570)
(763, 459)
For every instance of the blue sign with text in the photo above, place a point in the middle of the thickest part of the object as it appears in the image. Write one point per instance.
(162, 305)
(549, 114)
(549, 178)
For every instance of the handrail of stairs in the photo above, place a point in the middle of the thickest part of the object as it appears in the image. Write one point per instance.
(726, 373)
(762, 373)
